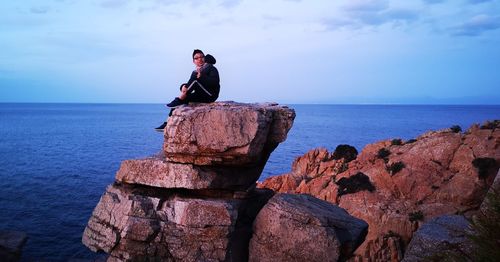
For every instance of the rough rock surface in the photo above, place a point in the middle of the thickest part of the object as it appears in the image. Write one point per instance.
(197, 200)
(440, 238)
(495, 187)
(157, 172)
(226, 133)
(400, 184)
(129, 223)
(11, 245)
(303, 228)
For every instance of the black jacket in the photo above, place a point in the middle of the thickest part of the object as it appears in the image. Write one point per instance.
(209, 80)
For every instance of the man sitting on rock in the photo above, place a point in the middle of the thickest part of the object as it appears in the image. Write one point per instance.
(203, 85)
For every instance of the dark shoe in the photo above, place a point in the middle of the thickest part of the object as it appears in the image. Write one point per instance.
(160, 128)
(175, 103)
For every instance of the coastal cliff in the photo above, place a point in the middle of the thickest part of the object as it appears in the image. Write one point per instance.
(396, 186)
(197, 201)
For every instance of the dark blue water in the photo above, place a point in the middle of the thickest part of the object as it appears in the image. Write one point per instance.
(57, 159)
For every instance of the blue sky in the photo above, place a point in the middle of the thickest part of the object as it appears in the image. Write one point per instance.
(317, 51)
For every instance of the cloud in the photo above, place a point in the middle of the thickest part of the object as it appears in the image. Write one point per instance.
(361, 6)
(230, 3)
(271, 18)
(332, 24)
(359, 14)
(468, 1)
(172, 2)
(196, 3)
(401, 15)
(376, 12)
(477, 25)
(478, 1)
(39, 10)
(433, 1)
(114, 3)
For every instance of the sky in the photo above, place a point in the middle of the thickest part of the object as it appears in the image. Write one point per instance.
(285, 51)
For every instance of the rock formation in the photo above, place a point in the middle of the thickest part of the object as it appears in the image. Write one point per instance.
(441, 238)
(11, 245)
(396, 185)
(196, 201)
(303, 228)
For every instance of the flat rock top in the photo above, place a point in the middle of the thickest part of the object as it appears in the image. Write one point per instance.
(229, 104)
(225, 133)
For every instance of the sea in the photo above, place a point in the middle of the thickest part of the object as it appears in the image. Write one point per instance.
(57, 159)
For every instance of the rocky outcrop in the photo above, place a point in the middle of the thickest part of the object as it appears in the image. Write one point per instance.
(226, 133)
(303, 228)
(11, 245)
(131, 223)
(396, 185)
(443, 237)
(156, 171)
(195, 201)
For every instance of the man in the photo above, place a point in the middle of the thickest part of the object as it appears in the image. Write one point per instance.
(203, 85)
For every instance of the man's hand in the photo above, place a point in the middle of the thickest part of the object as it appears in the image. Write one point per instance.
(184, 89)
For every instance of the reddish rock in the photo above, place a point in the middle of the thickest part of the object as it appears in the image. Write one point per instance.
(413, 182)
(303, 228)
(311, 174)
(226, 133)
(388, 247)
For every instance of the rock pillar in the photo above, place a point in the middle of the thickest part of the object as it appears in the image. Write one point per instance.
(196, 201)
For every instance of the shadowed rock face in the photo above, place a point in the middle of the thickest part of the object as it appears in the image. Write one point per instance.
(441, 238)
(11, 245)
(439, 174)
(303, 228)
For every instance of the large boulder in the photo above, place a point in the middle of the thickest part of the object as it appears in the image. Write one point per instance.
(226, 133)
(132, 223)
(396, 185)
(443, 237)
(303, 228)
(157, 172)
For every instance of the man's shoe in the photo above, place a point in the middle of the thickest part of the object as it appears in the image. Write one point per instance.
(160, 128)
(175, 103)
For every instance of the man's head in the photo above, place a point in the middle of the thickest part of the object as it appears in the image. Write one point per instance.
(198, 57)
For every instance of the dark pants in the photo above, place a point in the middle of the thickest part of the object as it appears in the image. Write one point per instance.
(197, 95)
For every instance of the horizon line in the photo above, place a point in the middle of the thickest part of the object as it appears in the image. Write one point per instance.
(318, 104)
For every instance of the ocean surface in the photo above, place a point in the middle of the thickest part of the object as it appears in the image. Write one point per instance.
(57, 159)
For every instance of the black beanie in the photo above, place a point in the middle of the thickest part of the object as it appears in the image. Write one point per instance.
(210, 59)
